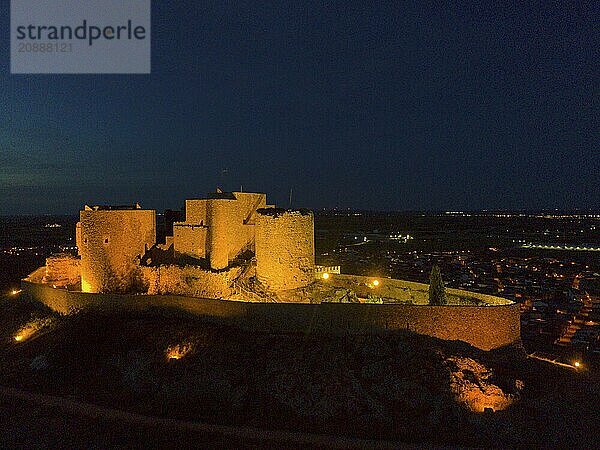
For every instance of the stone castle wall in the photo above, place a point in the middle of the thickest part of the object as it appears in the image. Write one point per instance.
(401, 291)
(111, 240)
(485, 327)
(189, 240)
(242, 223)
(285, 248)
(189, 280)
(190, 237)
(219, 229)
(195, 211)
(62, 270)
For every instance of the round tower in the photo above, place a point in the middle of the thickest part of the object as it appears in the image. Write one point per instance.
(218, 212)
(109, 243)
(285, 248)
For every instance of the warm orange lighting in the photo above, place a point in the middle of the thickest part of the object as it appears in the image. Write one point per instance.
(15, 291)
(25, 333)
(178, 351)
(326, 276)
(373, 284)
(577, 364)
(31, 328)
(476, 391)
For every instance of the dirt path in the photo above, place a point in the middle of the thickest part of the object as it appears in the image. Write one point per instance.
(41, 420)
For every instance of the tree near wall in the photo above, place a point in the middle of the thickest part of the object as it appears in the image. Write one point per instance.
(437, 291)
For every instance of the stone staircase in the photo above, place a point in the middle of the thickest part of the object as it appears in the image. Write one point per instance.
(246, 286)
(576, 324)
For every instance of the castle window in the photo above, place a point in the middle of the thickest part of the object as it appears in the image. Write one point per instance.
(106, 240)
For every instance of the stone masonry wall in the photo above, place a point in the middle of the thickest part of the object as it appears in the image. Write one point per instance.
(62, 270)
(195, 211)
(241, 235)
(189, 240)
(189, 280)
(401, 291)
(285, 248)
(111, 240)
(485, 327)
(220, 216)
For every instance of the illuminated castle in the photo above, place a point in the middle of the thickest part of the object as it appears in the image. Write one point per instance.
(239, 260)
(222, 236)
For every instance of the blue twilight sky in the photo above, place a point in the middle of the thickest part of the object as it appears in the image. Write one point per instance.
(378, 105)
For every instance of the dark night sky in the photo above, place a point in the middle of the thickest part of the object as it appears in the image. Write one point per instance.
(392, 107)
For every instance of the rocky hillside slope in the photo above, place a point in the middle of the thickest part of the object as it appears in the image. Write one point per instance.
(398, 386)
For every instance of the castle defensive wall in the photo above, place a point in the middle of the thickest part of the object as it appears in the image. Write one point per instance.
(484, 321)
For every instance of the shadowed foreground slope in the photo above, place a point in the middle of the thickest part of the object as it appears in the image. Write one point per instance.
(397, 387)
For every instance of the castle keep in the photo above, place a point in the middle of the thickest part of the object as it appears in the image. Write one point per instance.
(218, 228)
(285, 248)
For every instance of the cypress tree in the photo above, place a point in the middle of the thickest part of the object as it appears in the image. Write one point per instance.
(437, 291)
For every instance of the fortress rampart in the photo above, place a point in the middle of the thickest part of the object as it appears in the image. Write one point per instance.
(486, 327)
(401, 291)
(189, 280)
(62, 270)
(285, 248)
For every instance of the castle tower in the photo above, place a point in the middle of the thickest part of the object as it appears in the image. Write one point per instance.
(109, 240)
(219, 213)
(285, 248)
(218, 228)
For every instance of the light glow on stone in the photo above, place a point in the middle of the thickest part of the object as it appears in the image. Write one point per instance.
(178, 351)
(31, 328)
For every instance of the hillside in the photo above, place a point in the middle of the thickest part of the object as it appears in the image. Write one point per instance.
(396, 387)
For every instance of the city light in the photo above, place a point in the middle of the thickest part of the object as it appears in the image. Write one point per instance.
(373, 284)
(15, 291)
(577, 364)
(326, 276)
